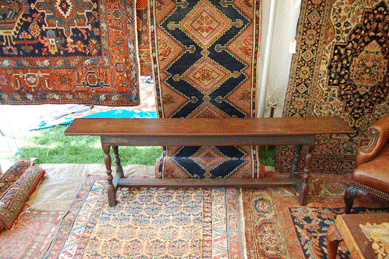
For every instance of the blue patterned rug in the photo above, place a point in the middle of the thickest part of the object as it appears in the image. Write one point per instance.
(205, 67)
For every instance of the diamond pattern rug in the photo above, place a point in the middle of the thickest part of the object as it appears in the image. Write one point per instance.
(340, 69)
(62, 51)
(204, 57)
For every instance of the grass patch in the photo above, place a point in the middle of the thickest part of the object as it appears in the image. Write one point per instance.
(51, 146)
(266, 155)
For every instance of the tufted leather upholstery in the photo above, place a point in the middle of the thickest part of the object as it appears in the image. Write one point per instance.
(372, 166)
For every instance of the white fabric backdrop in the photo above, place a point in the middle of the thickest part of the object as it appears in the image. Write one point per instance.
(279, 24)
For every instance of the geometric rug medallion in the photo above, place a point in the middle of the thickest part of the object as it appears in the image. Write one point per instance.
(204, 65)
(68, 51)
(340, 69)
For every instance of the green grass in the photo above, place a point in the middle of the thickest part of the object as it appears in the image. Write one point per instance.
(52, 146)
(266, 155)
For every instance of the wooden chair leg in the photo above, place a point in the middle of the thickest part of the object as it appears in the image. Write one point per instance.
(333, 240)
(351, 193)
(349, 199)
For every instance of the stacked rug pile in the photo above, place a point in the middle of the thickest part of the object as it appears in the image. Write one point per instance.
(16, 185)
(29, 232)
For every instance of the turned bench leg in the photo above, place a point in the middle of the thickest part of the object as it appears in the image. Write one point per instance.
(302, 182)
(305, 176)
(119, 168)
(294, 170)
(111, 188)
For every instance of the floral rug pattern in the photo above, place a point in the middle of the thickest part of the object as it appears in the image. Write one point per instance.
(341, 70)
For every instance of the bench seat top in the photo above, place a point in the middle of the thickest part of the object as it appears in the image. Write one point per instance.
(178, 127)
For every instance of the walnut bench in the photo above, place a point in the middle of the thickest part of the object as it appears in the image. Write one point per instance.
(208, 132)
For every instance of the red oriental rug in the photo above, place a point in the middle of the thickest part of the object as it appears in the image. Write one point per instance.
(277, 226)
(340, 69)
(205, 223)
(62, 51)
(151, 223)
(31, 235)
(205, 66)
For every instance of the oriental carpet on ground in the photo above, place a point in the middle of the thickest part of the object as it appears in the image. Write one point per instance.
(31, 236)
(205, 66)
(204, 223)
(57, 52)
(151, 223)
(340, 69)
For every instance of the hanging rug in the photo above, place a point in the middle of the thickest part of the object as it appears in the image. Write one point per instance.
(204, 65)
(63, 51)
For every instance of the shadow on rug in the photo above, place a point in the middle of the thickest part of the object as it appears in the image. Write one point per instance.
(204, 223)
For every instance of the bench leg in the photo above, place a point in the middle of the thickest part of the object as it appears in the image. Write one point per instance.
(119, 168)
(305, 176)
(333, 240)
(296, 159)
(111, 188)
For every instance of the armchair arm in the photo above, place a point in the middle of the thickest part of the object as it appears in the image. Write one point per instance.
(379, 134)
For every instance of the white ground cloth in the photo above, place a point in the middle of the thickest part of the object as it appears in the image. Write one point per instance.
(62, 182)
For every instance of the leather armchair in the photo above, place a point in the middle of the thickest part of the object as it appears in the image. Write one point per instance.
(371, 175)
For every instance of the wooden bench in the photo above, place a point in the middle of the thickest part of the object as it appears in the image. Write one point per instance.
(208, 132)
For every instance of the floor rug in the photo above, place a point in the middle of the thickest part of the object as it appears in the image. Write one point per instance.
(204, 64)
(276, 226)
(340, 69)
(31, 235)
(58, 52)
(150, 223)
